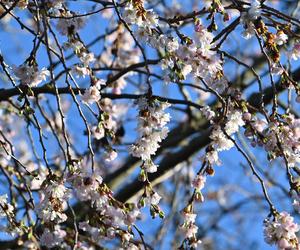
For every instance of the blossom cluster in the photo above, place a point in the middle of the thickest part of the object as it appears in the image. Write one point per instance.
(92, 94)
(295, 53)
(52, 238)
(220, 140)
(285, 131)
(6, 209)
(135, 13)
(48, 191)
(282, 232)
(120, 52)
(30, 75)
(53, 203)
(152, 130)
(189, 227)
(89, 188)
(109, 220)
(194, 57)
(248, 17)
(108, 119)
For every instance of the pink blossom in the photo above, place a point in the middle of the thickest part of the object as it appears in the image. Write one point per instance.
(199, 182)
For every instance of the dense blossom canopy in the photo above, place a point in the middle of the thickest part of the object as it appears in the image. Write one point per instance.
(115, 110)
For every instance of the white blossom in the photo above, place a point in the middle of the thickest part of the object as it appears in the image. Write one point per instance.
(282, 232)
(252, 13)
(110, 155)
(150, 167)
(172, 45)
(189, 217)
(235, 120)
(208, 113)
(199, 182)
(30, 75)
(248, 17)
(151, 127)
(53, 203)
(91, 95)
(153, 199)
(81, 71)
(295, 53)
(189, 230)
(220, 140)
(6, 209)
(280, 38)
(87, 58)
(249, 31)
(53, 238)
(98, 132)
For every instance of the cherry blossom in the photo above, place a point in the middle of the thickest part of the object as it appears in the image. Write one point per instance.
(295, 54)
(151, 127)
(53, 238)
(282, 231)
(30, 75)
(118, 114)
